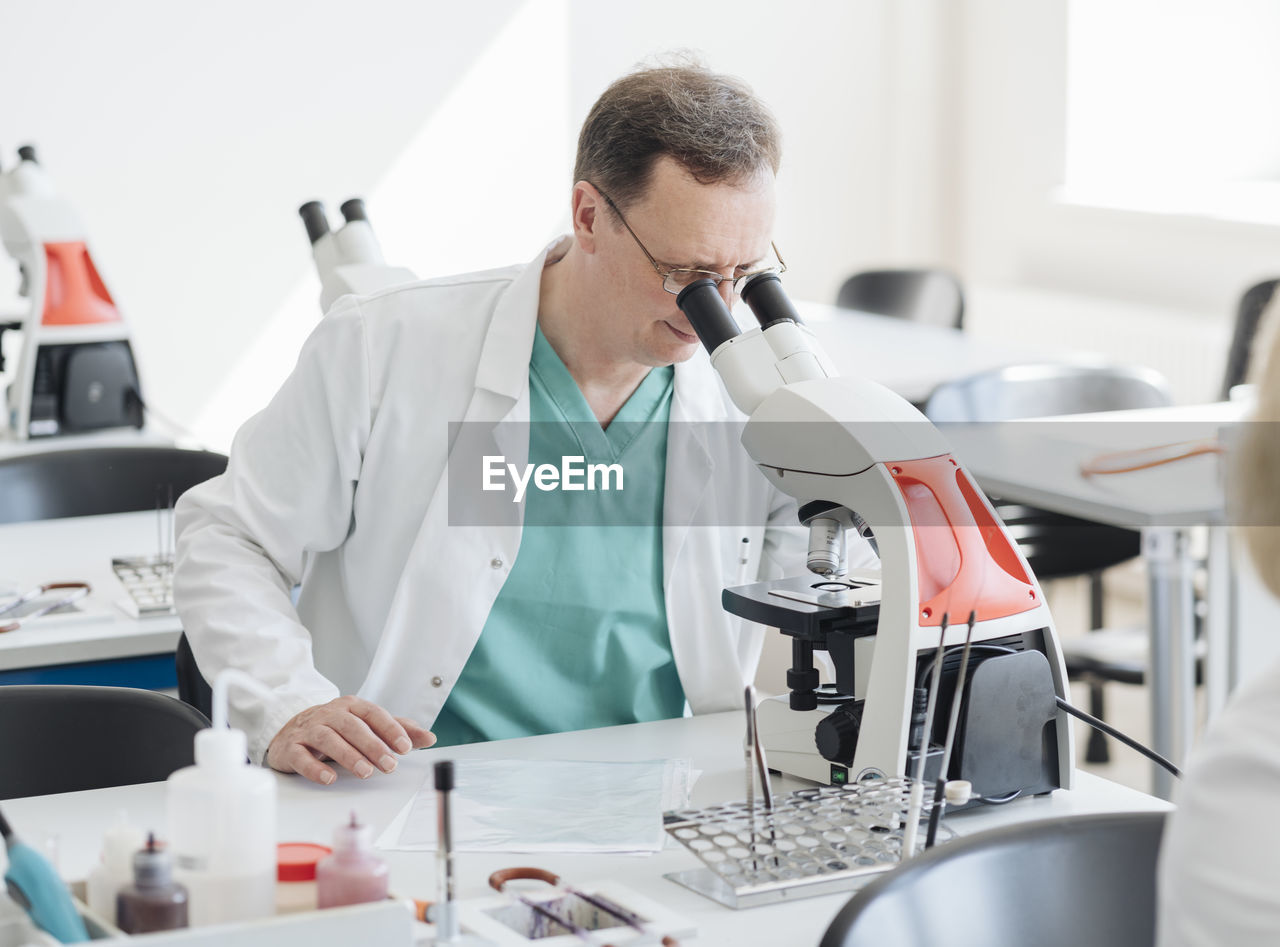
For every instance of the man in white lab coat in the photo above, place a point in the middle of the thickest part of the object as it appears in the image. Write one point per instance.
(417, 613)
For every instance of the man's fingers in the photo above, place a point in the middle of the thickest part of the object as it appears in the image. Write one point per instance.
(386, 727)
(368, 744)
(300, 760)
(420, 737)
(335, 745)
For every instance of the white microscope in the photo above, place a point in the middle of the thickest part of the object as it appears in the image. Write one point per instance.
(75, 369)
(349, 259)
(857, 456)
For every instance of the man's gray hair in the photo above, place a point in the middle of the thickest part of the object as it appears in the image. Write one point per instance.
(712, 124)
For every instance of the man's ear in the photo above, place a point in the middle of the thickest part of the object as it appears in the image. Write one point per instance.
(588, 209)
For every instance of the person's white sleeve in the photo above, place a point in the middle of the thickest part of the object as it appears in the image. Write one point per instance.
(243, 537)
(1220, 856)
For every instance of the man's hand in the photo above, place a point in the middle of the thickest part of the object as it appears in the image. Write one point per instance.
(357, 735)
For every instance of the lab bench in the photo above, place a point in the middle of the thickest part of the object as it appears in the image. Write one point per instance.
(74, 822)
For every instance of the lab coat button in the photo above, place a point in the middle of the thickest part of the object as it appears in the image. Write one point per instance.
(437, 681)
(495, 563)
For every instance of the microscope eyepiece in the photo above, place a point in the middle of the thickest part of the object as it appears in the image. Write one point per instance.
(764, 297)
(353, 209)
(313, 218)
(706, 311)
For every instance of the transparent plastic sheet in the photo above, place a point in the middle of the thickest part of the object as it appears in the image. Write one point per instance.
(548, 806)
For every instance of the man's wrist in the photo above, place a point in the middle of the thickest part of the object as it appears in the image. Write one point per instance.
(276, 715)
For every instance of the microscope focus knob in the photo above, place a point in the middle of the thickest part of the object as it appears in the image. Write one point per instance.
(836, 735)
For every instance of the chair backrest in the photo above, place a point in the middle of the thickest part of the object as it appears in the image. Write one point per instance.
(52, 484)
(1253, 304)
(1055, 546)
(64, 738)
(932, 296)
(1080, 880)
(1033, 391)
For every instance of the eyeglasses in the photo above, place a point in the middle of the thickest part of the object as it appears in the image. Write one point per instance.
(676, 278)
(63, 593)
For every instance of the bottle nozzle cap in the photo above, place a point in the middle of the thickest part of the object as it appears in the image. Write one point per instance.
(151, 865)
(958, 792)
(222, 747)
(120, 842)
(353, 836)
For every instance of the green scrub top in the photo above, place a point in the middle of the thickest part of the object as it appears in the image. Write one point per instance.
(577, 637)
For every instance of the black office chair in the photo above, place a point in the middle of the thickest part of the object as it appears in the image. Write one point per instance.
(1252, 305)
(193, 689)
(1058, 546)
(1087, 879)
(46, 485)
(64, 738)
(932, 296)
(1033, 391)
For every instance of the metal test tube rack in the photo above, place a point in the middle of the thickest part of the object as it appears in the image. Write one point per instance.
(815, 841)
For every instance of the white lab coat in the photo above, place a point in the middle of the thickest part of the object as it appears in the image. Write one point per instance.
(1220, 857)
(342, 483)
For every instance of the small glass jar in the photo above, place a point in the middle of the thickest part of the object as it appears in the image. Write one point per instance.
(296, 875)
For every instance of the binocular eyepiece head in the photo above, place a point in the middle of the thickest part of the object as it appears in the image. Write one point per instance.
(710, 317)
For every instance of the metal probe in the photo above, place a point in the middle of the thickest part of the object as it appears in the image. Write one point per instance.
(749, 752)
(939, 793)
(916, 800)
(445, 910)
(762, 767)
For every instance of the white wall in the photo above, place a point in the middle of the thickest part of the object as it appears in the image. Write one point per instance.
(916, 132)
(1017, 228)
(188, 136)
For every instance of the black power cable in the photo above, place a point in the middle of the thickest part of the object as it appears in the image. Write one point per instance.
(1123, 738)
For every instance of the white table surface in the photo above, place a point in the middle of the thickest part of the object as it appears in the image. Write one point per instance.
(714, 744)
(80, 549)
(912, 358)
(1038, 461)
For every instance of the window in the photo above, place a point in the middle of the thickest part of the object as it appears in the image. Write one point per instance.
(1170, 107)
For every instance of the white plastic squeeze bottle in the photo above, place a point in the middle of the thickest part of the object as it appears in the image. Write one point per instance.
(222, 821)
